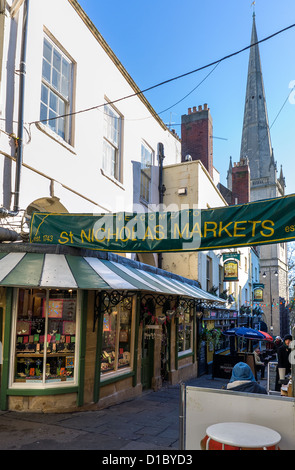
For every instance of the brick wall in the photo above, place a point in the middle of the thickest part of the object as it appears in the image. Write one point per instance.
(196, 136)
(241, 182)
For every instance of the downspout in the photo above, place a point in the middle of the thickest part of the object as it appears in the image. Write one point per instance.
(19, 152)
(7, 235)
(162, 189)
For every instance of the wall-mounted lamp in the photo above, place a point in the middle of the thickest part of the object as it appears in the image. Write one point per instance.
(275, 273)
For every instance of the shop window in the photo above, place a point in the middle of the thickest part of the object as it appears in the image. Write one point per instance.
(185, 332)
(45, 333)
(117, 338)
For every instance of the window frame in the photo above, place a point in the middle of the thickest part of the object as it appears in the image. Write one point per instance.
(117, 372)
(220, 279)
(116, 168)
(209, 267)
(42, 385)
(143, 173)
(57, 93)
(190, 324)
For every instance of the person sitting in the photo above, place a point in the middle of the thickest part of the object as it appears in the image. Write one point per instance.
(242, 380)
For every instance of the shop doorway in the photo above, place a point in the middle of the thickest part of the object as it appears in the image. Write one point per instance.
(202, 359)
(165, 353)
(148, 312)
(147, 360)
(202, 351)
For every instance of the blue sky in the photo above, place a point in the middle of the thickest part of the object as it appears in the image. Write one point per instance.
(161, 39)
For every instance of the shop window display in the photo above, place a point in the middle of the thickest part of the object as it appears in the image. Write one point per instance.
(45, 336)
(185, 331)
(116, 339)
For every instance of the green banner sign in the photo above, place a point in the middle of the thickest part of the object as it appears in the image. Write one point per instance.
(257, 223)
(231, 256)
(258, 292)
(230, 271)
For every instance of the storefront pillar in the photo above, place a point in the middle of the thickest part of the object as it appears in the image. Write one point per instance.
(6, 349)
(83, 330)
(176, 343)
(99, 315)
(136, 339)
(195, 346)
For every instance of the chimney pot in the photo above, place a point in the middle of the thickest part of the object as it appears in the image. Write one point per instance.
(200, 107)
(194, 109)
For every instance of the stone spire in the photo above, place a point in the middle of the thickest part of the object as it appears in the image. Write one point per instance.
(256, 142)
(230, 174)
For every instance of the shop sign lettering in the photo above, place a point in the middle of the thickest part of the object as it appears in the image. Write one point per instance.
(258, 223)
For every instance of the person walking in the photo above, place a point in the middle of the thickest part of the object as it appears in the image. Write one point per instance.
(258, 363)
(276, 345)
(283, 361)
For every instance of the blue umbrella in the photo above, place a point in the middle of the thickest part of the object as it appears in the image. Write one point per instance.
(249, 333)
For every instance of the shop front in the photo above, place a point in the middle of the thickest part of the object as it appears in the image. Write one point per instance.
(83, 332)
(212, 342)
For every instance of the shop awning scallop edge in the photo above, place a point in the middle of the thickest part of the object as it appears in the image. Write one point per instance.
(66, 271)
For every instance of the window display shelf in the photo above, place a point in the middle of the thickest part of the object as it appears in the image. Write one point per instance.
(34, 355)
(45, 336)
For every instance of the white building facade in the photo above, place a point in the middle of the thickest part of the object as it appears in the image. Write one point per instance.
(77, 136)
(87, 159)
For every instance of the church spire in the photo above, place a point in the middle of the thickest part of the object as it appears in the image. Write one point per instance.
(256, 143)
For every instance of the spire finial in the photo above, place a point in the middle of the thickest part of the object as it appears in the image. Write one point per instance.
(253, 5)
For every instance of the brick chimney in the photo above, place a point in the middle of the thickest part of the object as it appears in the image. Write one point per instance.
(197, 136)
(241, 182)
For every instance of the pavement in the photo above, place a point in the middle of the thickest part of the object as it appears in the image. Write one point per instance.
(147, 422)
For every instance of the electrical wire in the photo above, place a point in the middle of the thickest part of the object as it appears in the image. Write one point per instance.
(188, 94)
(279, 112)
(281, 109)
(182, 99)
(165, 82)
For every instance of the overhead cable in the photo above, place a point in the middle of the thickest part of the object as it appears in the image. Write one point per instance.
(165, 82)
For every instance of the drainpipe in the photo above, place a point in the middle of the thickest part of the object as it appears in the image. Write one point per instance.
(7, 235)
(19, 153)
(162, 189)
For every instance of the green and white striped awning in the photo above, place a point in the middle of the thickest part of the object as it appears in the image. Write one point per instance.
(57, 271)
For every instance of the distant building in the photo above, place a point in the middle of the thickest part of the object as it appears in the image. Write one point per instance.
(195, 183)
(266, 182)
